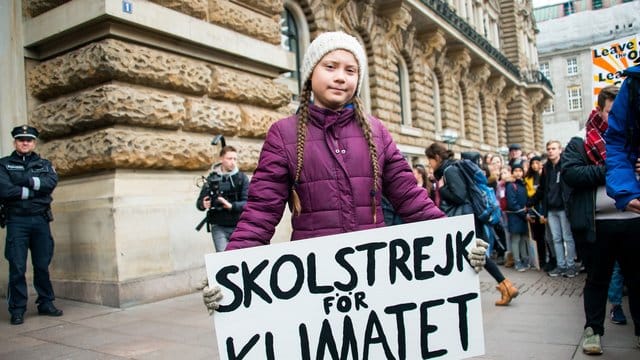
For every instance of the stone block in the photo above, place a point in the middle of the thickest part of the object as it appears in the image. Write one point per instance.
(109, 105)
(194, 8)
(130, 148)
(33, 8)
(269, 7)
(213, 117)
(256, 121)
(113, 148)
(236, 86)
(111, 59)
(244, 20)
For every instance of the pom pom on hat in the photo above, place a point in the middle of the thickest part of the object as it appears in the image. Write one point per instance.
(326, 43)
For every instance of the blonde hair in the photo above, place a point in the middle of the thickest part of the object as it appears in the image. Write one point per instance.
(361, 118)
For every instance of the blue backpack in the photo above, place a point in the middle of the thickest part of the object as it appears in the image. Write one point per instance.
(482, 197)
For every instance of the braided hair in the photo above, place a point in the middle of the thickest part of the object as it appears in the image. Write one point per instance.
(361, 118)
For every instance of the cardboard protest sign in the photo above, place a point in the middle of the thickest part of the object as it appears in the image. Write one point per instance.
(610, 59)
(400, 292)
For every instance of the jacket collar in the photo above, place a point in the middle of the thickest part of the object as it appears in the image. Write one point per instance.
(325, 118)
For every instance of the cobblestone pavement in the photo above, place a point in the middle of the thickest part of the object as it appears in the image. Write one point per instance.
(544, 322)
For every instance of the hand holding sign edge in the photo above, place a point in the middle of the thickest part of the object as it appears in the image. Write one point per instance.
(211, 295)
(477, 255)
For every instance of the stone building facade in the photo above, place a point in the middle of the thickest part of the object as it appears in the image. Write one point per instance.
(128, 94)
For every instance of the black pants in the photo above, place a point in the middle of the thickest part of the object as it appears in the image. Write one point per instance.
(615, 240)
(26, 233)
(538, 233)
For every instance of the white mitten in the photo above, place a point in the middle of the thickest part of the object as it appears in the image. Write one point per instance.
(210, 295)
(478, 255)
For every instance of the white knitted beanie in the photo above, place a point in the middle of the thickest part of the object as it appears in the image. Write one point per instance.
(327, 42)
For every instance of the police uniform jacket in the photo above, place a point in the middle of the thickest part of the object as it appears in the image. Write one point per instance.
(26, 184)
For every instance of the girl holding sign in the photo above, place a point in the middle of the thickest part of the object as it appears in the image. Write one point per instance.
(330, 161)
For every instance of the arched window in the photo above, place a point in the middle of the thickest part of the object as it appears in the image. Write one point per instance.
(461, 113)
(480, 119)
(437, 109)
(294, 35)
(405, 93)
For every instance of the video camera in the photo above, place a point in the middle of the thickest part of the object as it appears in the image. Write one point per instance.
(212, 182)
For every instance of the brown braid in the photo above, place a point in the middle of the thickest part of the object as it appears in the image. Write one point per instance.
(373, 152)
(303, 117)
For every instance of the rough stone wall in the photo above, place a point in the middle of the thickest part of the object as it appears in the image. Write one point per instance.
(112, 104)
(33, 8)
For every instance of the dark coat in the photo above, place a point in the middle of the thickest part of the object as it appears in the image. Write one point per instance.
(233, 188)
(335, 184)
(584, 177)
(516, 194)
(26, 184)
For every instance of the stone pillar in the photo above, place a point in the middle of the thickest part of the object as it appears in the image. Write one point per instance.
(13, 105)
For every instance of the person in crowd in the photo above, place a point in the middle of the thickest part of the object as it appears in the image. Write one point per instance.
(531, 182)
(594, 219)
(455, 200)
(229, 186)
(622, 139)
(504, 179)
(515, 153)
(492, 169)
(330, 161)
(516, 212)
(551, 193)
(26, 184)
(420, 173)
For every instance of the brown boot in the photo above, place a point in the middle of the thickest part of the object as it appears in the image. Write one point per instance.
(509, 262)
(507, 291)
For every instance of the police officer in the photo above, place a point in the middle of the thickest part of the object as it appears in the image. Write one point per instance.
(231, 187)
(26, 184)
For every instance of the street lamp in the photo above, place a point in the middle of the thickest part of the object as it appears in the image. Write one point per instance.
(449, 136)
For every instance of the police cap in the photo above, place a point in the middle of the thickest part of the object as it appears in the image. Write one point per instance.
(24, 131)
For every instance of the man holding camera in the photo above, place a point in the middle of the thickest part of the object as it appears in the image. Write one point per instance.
(223, 195)
(26, 184)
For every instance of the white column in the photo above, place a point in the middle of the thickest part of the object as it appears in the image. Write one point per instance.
(13, 101)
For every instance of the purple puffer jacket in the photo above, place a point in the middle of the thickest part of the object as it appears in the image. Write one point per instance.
(335, 183)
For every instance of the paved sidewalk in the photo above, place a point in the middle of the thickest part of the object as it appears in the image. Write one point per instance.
(544, 322)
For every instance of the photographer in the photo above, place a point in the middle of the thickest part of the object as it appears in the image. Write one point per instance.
(223, 195)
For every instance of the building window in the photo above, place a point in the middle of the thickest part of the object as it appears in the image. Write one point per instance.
(461, 113)
(596, 4)
(574, 96)
(405, 93)
(290, 41)
(568, 8)
(544, 69)
(480, 120)
(549, 109)
(572, 66)
(437, 112)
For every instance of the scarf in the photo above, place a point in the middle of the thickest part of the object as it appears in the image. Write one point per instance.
(594, 143)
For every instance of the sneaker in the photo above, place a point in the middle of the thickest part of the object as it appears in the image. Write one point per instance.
(557, 272)
(591, 342)
(570, 273)
(549, 265)
(520, 267)
(617, 315)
